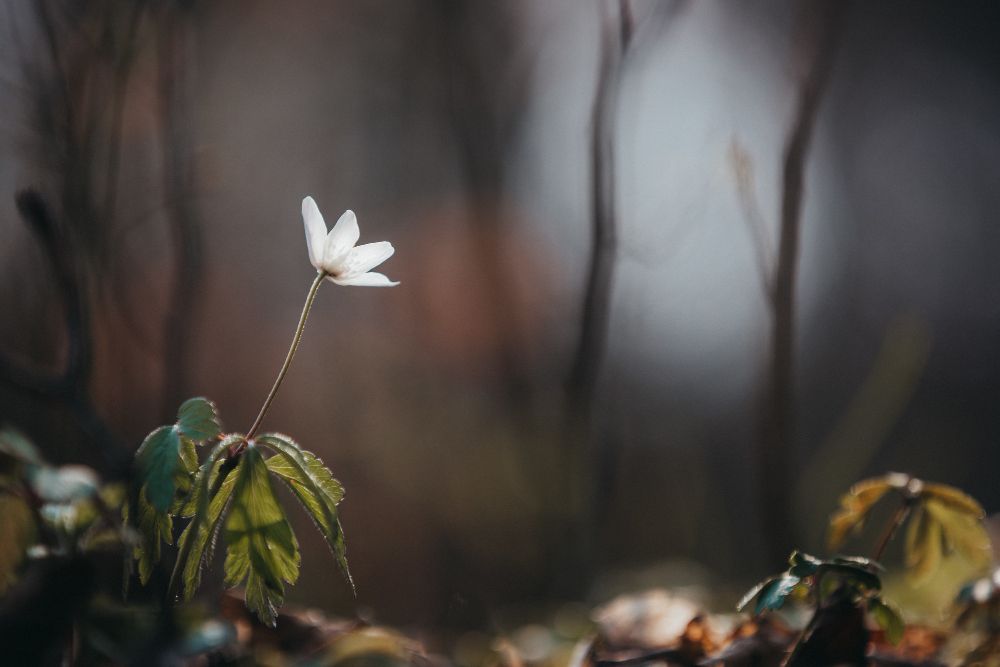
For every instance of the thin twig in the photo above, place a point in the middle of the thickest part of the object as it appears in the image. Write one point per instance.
(774, 448)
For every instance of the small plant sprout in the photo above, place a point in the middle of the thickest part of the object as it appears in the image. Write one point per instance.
(942, 520)
(230, 491)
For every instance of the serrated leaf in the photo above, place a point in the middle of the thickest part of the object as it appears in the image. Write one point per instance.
(774, 594)
(198, 506)
(17, 530)
(963, 531)
(923, 546)
(954, 499)
(888, 618)
(314, 486)
(199, 554)
(854, 508)
(154, 527)
(198, 419)
(158, 457)
(261, 547)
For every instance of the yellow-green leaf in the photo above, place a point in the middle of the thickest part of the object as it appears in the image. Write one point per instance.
(955, 499)
(963, 532)
(314, 486)
(854, 508)
(888, 618)
(261, 547)
(199, 554)
(923, 546)
(17, 531)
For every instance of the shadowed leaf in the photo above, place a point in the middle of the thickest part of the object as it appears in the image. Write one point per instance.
(888, 618)
(314, 486)
(158, 457)
(923, 546)
(854, 508)
(17, 530)
(202, 547)
(963, 531)
(198, 420)
(954, 499)
(261, 547)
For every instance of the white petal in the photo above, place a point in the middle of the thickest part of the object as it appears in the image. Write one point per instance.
(315, 230)
(366, 257)
(341, 238)
(365, 280)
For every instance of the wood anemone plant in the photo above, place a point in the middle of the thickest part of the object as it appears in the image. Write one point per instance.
(230, 491)
(942, 520)
(845, 591)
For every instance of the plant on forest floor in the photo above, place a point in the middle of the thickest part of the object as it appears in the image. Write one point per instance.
(844, 591)
(230, 491)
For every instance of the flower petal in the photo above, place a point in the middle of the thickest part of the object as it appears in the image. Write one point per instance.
(315, 230)
(364, 258)
(369, 279)
(341, 238)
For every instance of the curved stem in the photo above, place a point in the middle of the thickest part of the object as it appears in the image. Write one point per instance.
(291, 353)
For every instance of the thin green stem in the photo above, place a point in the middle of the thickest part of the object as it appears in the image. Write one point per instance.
(291, 353)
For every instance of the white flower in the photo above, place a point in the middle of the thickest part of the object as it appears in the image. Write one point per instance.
(335, 253)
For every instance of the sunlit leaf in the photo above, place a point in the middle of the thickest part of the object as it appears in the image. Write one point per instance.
(923, 546)
(963, 531)
(854, 508)
(154, 527)
(314, 486)
(199, 554)
(158, 457)
(17, 530)
(752, 593)
(198, 420)
(888, 618)
(954, 499)
(261, 547)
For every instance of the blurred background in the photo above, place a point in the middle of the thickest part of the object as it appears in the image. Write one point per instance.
(567, 390)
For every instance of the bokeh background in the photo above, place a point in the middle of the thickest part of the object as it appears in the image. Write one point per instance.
(488, 461)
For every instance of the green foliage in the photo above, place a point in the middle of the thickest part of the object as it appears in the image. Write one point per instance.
(201, 534)
(170, 449)
(314, 486)
(198, 420)
(888, 618)
(942, 520)
(262, 550)
(856, 578)
(17, 531)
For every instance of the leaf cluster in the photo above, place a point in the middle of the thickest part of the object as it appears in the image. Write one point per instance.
(230, 492)
(941, 520)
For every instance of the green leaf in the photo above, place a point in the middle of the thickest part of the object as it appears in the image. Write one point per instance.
(963, 531)
(775, 592)
(752, 593)
(201, 549)
(198, 419)
(315, 487)
(802, 564)
(888, 618)
(17, 531)
(262, 549)
(955, 499)
(197, 505)
(923, 546)
(154, 527)
(158, 457)
(854, 508)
